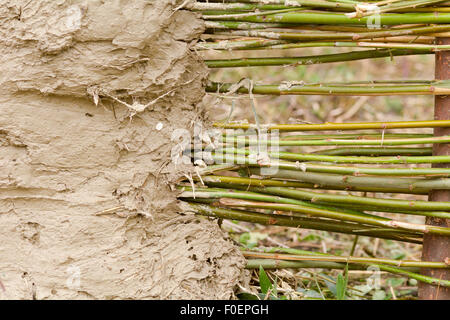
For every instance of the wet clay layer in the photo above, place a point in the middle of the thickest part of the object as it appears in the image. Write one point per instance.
(90, 93)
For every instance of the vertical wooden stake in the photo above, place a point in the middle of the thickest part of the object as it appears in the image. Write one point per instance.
(437, 248)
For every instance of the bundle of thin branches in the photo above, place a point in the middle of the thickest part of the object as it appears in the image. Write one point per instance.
(312, 189)
(392, 28)
(275, 258)
(355, 8)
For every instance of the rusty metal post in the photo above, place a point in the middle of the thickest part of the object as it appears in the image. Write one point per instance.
(437, 248)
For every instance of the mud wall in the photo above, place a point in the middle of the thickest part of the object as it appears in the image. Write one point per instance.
(90, 92)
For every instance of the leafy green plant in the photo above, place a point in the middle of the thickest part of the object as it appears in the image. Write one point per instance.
(251, 239)
(341, 284)
(268, 290)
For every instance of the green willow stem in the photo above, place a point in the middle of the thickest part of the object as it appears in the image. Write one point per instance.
(308, 60)
(370, 184)
(228, 5)
(218, 167)
(297, 222)
(283, 183)
(431, 9)
(363, 227)
(410, 205)
(357, 136)
(376, 151)
(231, 7)
(285, 250)
(397, 270)
(273, 263)
(397, 6)
(234, 45)
(382, 82)
(237, 16)
(328, 36)
(337, 202)
(408, 46)
(347, 259)
(286, 204)
(345, 159)
(228, 157)
(340, 216)
(218, 193)
(436, 214)
(395, 42)
(405, 6)
(342, 19)
(321, 28)
(285, 264)
(437, 88)
(239, 25)
(280, 44)
(418, 277)
(254, 182)
(336, 142)
(340, 126)
(231, 133)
